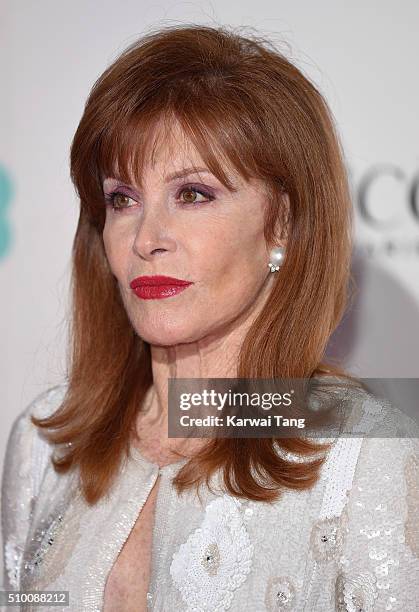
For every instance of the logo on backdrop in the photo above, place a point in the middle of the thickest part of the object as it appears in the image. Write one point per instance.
(387, 203)
(6, 195)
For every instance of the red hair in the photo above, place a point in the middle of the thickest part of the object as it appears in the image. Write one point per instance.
(241, 102)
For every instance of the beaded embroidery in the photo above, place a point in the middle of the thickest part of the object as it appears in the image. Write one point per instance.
(12, 563)
(55, 544)
(355, 593)
(46, 539)
(280, 594)
(216, 558)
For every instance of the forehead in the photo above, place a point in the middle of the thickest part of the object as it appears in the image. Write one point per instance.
(170, 150)
(163, 149)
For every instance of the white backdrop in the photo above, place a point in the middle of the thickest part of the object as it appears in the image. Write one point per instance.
(362, 55)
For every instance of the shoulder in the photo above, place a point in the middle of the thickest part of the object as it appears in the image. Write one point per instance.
(386, 470)
(376, 423)
(378, 437)
(375, 435)
(25, 439)
(24, 433)
(42, 405)
(46, 402)
(388, 436)
(386, 479)
(26, 448)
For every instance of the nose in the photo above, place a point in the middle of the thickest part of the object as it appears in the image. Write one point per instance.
(153, 235)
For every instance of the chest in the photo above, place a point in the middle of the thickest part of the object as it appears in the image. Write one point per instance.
(127, 583)
(112, 567)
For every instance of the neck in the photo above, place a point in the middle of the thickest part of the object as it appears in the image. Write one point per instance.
(214, 356)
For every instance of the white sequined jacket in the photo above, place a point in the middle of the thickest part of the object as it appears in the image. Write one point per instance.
(350, 543)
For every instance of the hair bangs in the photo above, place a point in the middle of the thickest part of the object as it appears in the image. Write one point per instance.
(128, 145)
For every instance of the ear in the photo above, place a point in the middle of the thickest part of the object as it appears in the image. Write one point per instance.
(282, 221)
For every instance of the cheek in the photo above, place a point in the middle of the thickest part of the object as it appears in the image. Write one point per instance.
(232, 258)
(116, 251)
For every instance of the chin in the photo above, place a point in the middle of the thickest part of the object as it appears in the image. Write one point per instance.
(162, 335)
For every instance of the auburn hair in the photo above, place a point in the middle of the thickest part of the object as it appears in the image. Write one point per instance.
(240, 101)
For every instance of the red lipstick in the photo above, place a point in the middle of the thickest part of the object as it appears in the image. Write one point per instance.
(157, 287)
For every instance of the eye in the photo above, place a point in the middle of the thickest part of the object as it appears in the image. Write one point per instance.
(190, 193)
(118, 200)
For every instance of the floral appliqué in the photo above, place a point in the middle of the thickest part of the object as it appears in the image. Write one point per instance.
(280, 594)
(216, 558)
(355, 593)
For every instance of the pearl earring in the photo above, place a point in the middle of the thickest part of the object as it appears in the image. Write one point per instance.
(277, 255)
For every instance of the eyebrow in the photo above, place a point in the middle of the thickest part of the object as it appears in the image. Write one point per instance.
(185, 172)
(194, 170)
(180, 173)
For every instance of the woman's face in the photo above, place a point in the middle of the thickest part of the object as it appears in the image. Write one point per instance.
(192, 228)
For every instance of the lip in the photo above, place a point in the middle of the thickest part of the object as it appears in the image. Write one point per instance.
(157, 287)
(153, 281)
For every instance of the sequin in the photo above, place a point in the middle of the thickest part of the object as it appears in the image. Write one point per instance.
(55, 546)
(46, 539)
(12, 562)
(355, 593)
(411, 471)
(280, 594)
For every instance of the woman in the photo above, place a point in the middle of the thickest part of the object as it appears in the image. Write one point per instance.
(206, 157)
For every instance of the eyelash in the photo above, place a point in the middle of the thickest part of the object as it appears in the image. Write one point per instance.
(109, 198)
